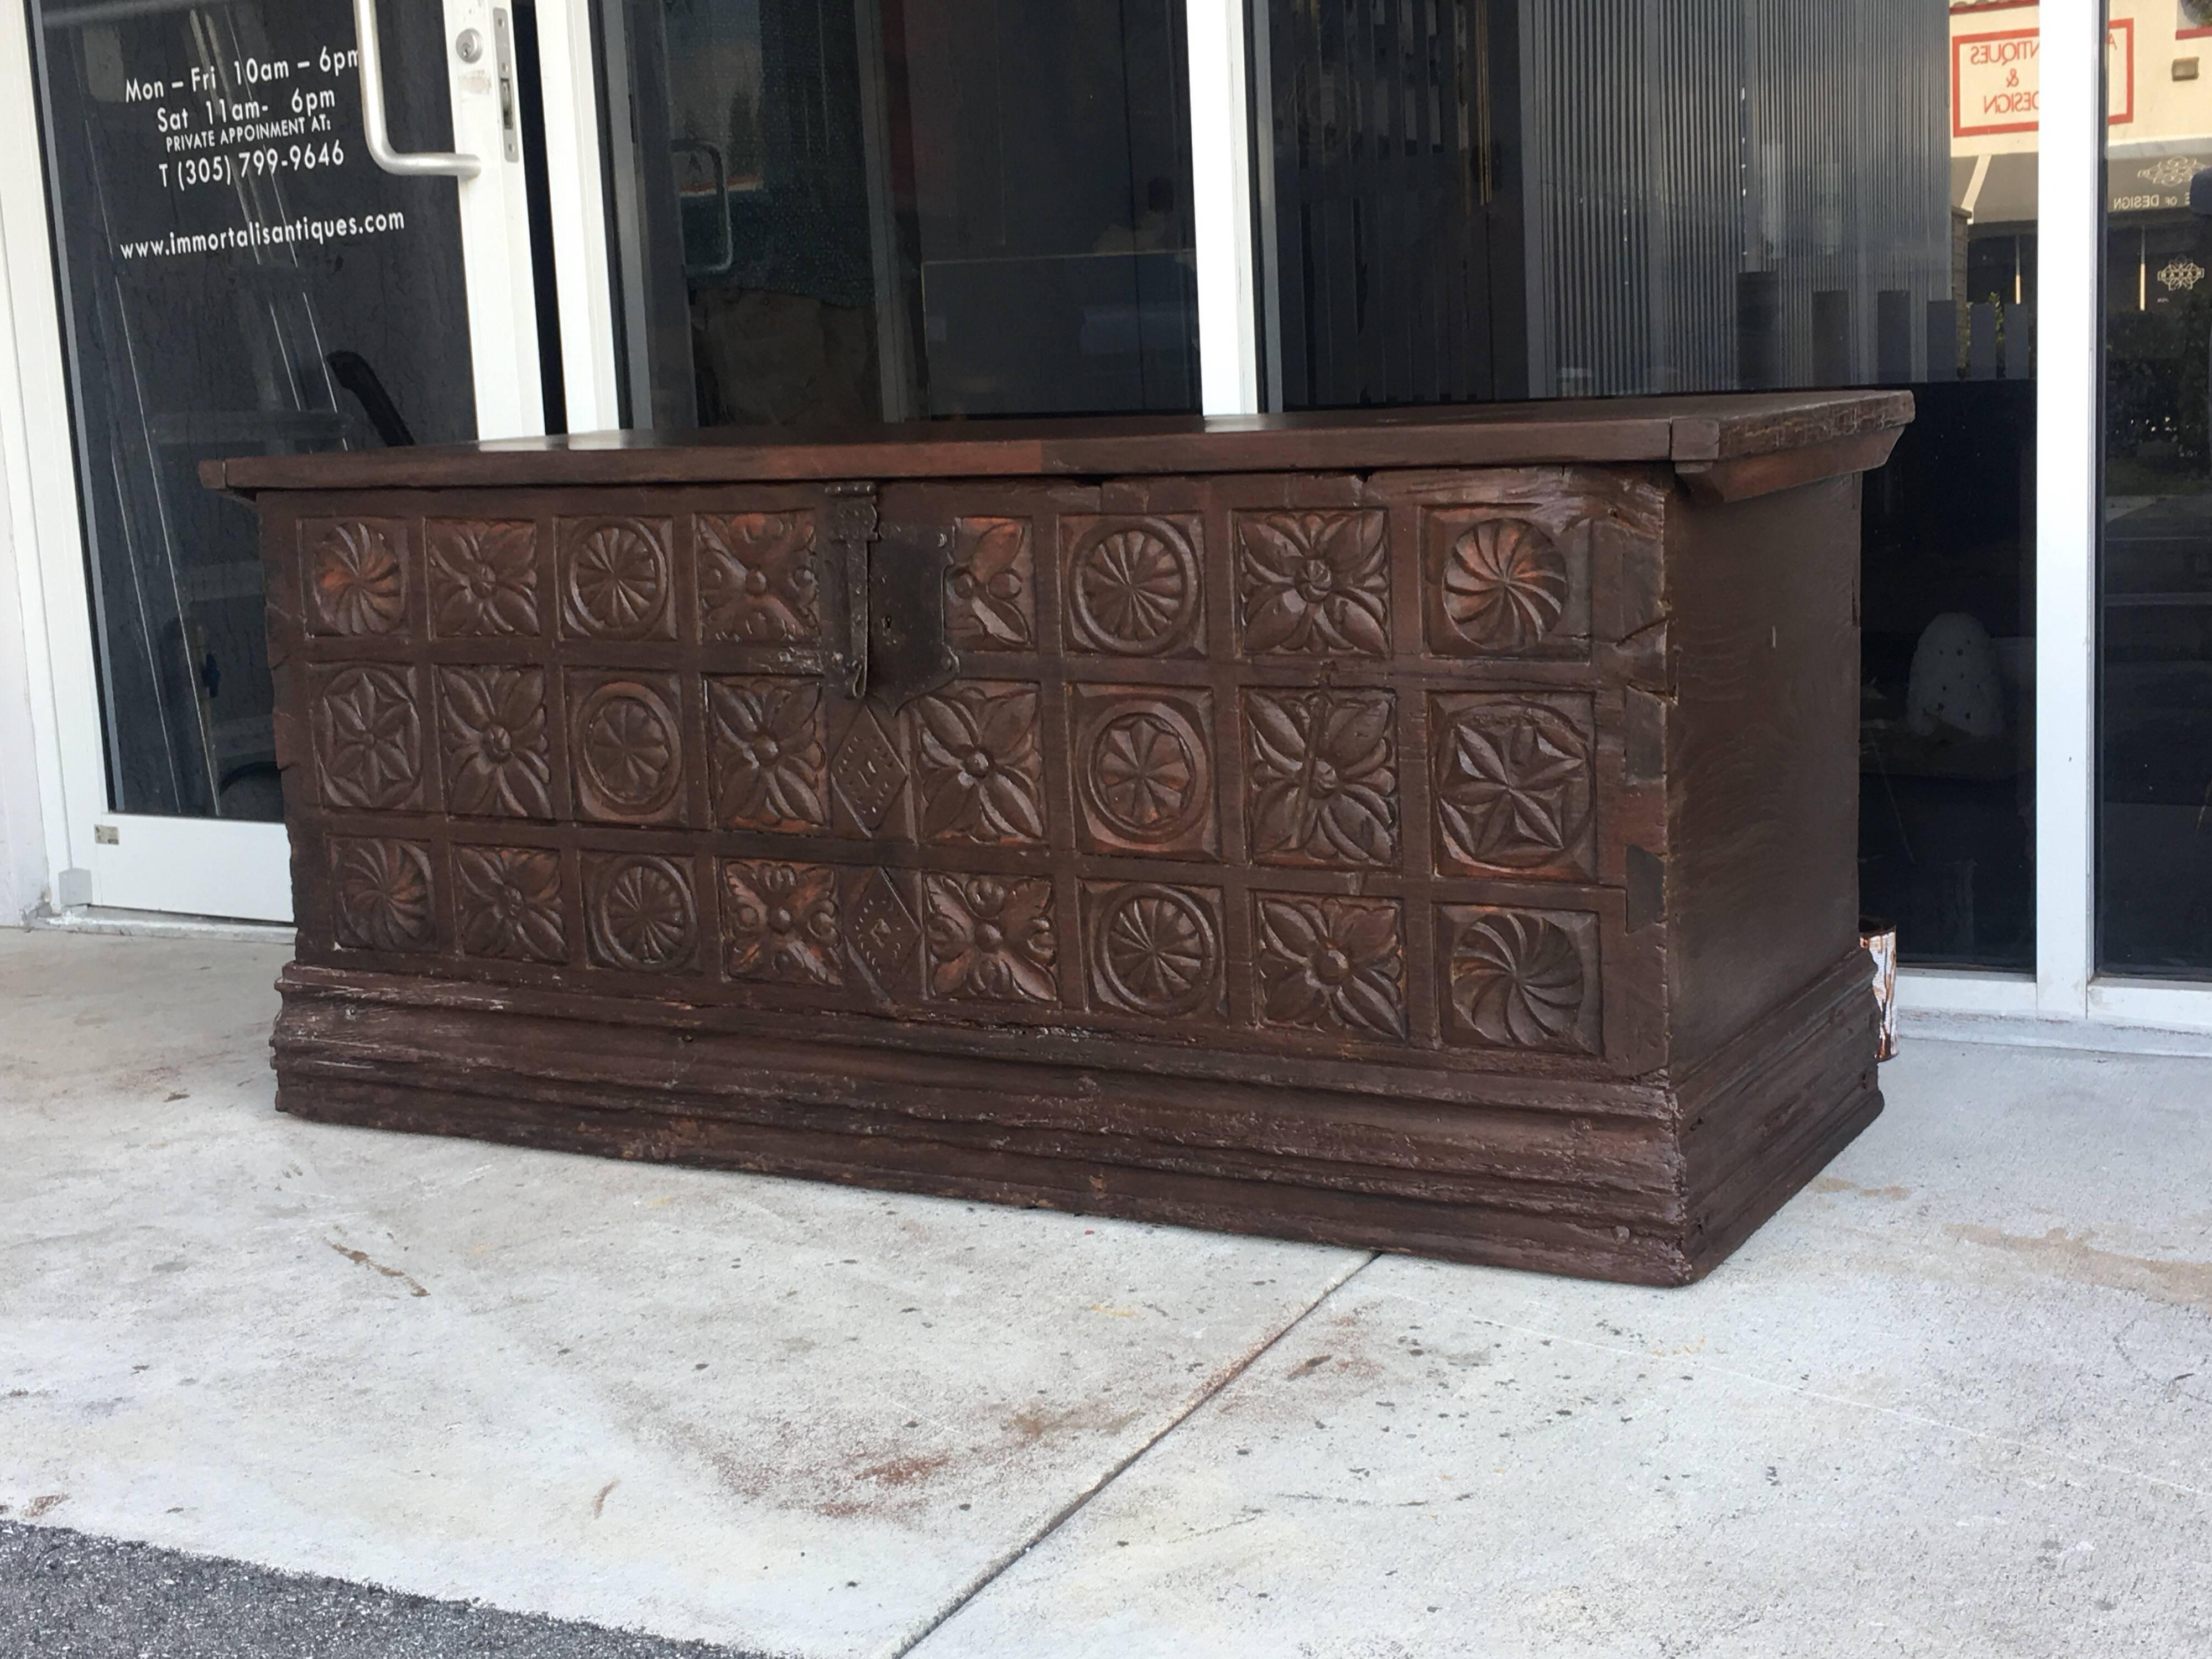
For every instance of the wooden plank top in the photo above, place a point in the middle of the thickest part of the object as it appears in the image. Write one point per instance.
(1696, 431)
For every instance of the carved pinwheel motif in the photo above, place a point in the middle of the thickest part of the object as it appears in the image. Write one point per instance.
(1132, 586)
(768, 753)
(981, 769)
(1505, 585)
(780, 923)
(1155, 950)
(483, 578)
(1315, 584)
(357, 576)
(1332, 965)
(627, 749)
(507, 904)
(990, 589)
(498, 748)
(1513, 784)
(991, 939)
(641, 913)
(756, 577)
(369, 739)
(616, 580)
(1321, 769)
(380, 897)
(1522, 979)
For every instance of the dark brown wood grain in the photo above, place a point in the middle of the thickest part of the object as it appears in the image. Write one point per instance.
(1427, 832)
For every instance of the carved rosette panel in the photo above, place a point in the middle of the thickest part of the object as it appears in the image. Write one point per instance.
(990, 587)
(1131, 587)
(1314, 584)
(381, 897)
(768, 753)
(1513, 784)
(496, 737)
(1334, 965)
(757, 581)
(1521, 979)
(507, 904)
(356, 575)
(1321, 777)
(369, 739)
(642, 914)
(991, 938)
(483, 578)
(1498, 586)
(780, 923)
(1155, 950)
(1144, 769)
(617, 579)
(982, 771)
(626, 747)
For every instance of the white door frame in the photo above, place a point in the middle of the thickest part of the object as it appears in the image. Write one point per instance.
(203, 866)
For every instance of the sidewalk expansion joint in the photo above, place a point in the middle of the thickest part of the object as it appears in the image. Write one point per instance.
(991, 1573)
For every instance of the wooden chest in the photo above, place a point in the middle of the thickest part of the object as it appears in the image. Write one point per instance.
(1431, 831)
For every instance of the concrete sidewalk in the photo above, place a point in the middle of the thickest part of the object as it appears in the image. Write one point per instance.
(1956, 1400)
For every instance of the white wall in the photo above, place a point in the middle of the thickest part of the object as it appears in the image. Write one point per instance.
(24, 874)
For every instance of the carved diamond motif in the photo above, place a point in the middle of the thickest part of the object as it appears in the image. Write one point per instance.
(868, 772)
(885, 935)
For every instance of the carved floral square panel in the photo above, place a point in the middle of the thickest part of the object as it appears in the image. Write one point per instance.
(1514, 784)
(1154, 949)
(1334, 965)
(483, 578)
(641, 915)
(1314, 584)
(626, 747)
(1321, 777)
(767, 753)
(1501, 584)
(991, 938)
(367, 729)
(507, 903)
(496, 737)
(990, 587)
(354, 572)
(617, 578)
(1520, 978)
(757, 581)
(781, 923)
(1132, 585)
(1144, 769)
(381, 895)
(981, 768)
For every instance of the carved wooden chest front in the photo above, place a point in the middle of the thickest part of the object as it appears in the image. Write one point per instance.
(1433, 834)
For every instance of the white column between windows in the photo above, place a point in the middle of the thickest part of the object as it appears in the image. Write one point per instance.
(1221, 208)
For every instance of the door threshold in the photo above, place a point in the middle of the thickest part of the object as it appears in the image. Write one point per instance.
(157, 924)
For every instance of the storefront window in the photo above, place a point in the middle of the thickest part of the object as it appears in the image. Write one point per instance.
(237, 278)
(2154, 693)
(828, 211)
(1491, 199)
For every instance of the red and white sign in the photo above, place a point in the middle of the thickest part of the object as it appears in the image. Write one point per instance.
(1996, 87)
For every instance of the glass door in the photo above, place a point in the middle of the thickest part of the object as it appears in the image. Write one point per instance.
(240, 272)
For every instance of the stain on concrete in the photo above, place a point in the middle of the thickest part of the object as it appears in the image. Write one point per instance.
(2180, 1283)
(1035, 1422)
(599, 1501)
(361, 1258)
(1836, 1184)
(44, 1505)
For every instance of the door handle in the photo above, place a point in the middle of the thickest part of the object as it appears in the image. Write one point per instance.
(419, 164)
